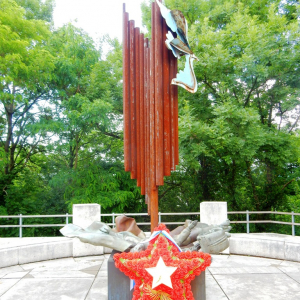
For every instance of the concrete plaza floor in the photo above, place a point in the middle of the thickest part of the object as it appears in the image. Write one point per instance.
(230, 277)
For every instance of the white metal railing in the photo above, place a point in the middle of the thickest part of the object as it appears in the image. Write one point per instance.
(114, 215)
(21, 225)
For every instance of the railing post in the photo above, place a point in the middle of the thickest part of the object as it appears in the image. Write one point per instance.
(159, 218)
(20, 225)
(113, 218)
(293, 224)
(67, 218)
(247, 218)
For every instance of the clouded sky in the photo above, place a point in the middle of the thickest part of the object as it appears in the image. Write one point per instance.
(97, 17)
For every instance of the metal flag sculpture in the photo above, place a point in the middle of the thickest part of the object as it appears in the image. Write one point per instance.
(180, 46)
(150, 101)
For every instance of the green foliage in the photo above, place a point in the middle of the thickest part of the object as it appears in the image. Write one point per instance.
(238, 134)
(106, 184)
(37, 9)
(61, 114)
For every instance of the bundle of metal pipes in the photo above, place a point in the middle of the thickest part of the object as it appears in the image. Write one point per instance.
(150, 106)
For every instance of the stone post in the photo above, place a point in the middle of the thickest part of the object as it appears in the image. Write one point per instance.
(213, 212)
(84, 215)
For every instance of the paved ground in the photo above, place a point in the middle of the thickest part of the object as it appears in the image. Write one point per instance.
(229, 277)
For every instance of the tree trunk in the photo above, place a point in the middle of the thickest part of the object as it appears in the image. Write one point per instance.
(9, 139)
(256, 200)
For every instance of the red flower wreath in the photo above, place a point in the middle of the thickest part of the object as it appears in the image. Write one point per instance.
(187, 264)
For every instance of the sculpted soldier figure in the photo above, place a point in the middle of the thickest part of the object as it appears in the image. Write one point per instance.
(192, 236)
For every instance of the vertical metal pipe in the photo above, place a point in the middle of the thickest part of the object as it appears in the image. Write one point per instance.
(126, 98)
(142, 112)
(67, 218)
(146, 119)
(132, 101)
(153, 188)
(159, 109)
(113, 219)
(154, 208)
(247, 219)
(20, 225)
(148, 127)
(176, 116)
(166, 104)
(152, 105)
(293, 224)
(172, 111)
(137, 104)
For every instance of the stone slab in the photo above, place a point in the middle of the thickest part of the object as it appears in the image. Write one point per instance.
(60, 274)
(83, 249)
(213, 212)
(11, 269)
(213, 290)
(15, 275)
(6, 284)
(98, 290)
(264, 245)
(292, 248)
(50, 289)
(16, 251)
(258, 286)
(245, 270)
(9, 257)
(45, 251)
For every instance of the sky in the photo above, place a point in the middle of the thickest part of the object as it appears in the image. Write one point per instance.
(97, 17)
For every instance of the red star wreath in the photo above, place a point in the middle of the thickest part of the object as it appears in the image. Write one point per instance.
(162, 272)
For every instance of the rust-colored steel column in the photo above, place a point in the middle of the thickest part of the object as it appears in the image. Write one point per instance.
(172, 114)
(142, 112)
(148, 153)
(176, 115)
(166, 104)
(159, 107)
(126, 85)
(137, 104)
(132, 101)
(146, 118)
(153, 187)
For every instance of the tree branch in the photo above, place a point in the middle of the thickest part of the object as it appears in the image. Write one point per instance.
(250, 92)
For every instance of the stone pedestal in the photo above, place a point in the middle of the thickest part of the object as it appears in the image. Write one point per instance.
(198, 287)
(83, 216)
(213, 213)
(119, 283)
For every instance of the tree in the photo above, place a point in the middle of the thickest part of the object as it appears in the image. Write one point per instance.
(25, 70)
(89, 147)
(37, 9)
(238, 133)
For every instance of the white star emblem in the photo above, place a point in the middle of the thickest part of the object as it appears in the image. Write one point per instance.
(161, 274)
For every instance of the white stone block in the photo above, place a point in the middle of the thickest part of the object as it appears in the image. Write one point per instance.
(85, 214)
(45, 251)
(9, 257)
(84, 249)
(292, 248)
(107, 250)
(257, 244)
(213, 213)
